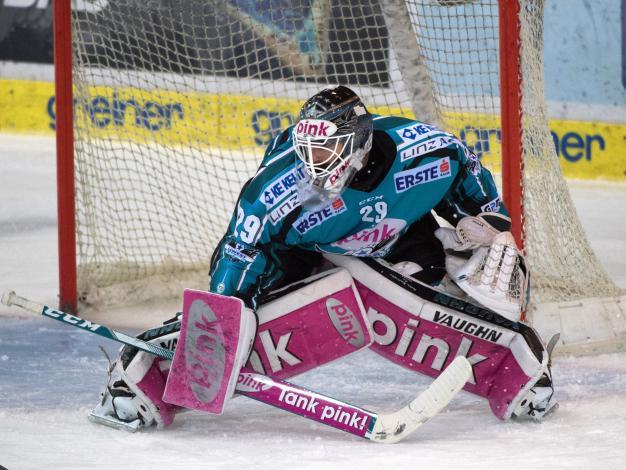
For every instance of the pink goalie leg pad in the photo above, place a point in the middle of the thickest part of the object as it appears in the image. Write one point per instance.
(319, 323)
(421, 343)
(428, 338)
(423, 330)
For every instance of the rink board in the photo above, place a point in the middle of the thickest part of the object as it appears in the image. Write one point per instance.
(586, 150)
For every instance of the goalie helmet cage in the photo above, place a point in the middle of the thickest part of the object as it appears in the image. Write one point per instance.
(164, 110)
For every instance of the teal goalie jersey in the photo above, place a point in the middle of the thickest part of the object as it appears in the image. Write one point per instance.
(413, 168)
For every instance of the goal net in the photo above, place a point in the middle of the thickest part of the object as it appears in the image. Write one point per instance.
(174, 103)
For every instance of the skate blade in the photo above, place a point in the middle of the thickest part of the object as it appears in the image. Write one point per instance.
(111, 422)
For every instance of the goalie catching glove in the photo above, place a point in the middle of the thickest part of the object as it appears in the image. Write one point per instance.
(486, 264)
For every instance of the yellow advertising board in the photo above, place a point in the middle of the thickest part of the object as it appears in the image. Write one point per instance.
(586, 150)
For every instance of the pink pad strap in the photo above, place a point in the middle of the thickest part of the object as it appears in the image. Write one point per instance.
(206, 352)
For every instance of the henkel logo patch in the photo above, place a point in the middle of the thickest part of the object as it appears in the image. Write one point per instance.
(315, 128)
(310, 220)
(434, 171)
(415, 132)
(282, 187)
(371, 237)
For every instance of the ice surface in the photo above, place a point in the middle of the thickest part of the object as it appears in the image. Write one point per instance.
(51, 375)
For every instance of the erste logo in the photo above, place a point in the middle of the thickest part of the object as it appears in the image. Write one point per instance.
(422, 174)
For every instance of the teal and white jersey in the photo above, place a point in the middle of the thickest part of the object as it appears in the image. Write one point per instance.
(415, 168)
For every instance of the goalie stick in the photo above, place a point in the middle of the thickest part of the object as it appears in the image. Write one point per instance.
(378, 427)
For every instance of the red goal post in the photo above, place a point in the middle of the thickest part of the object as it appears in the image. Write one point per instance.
(149, 103)
(68, 294)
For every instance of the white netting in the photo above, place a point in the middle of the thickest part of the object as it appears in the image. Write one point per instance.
(564, 266)
(174, 105)
(175, 102)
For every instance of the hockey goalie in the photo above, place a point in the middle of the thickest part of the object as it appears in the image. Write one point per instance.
(333, 247)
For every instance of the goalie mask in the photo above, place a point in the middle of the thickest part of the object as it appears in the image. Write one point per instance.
(332, 139)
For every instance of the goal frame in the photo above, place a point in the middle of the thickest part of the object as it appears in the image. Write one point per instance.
(510, 113)
(573, 294)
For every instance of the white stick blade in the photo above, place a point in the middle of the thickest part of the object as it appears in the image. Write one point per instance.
(394, 427)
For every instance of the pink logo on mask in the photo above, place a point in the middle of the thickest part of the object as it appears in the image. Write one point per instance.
(337, 173)
(315, 128)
